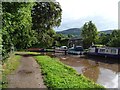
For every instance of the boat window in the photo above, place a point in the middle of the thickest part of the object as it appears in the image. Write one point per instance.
(113, 50)
(107, 50)
(78, 48)
(102, 50)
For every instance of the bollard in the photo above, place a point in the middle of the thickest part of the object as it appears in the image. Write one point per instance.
(65, 52)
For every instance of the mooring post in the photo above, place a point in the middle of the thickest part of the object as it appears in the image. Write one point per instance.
(65, 52)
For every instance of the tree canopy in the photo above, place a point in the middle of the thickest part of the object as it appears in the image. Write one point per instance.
(16, 28)
(111, 40)
(26, 24)
(45, 16)
(89, 34)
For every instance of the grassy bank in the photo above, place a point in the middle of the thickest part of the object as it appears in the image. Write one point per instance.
(9, 65)
(0, 74)
(58, 75)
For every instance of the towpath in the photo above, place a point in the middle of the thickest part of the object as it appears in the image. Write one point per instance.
(27, 75)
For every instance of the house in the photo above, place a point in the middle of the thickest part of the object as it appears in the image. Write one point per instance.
(75, 42)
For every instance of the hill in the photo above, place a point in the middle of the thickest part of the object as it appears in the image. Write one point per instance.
(72, 31)
(77, 31)
(107, 31)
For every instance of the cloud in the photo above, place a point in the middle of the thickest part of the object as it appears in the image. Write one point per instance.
(100, 22)
(78, 9)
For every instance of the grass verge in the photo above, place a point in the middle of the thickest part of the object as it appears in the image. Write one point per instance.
(27, 53)
(58, 75)
(0, 74)
(9, 65)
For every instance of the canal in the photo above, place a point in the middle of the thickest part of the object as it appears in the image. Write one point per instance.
(104, 71)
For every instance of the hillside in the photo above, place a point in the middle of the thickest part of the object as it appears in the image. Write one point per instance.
(107, 31)
(72, 31)
(77, 31)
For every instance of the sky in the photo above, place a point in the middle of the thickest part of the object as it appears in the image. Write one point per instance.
(103, 13)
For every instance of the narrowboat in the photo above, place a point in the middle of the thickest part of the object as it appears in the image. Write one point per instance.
(104, 51)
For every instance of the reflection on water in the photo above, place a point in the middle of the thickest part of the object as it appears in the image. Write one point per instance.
(100, 70)
(110, 80)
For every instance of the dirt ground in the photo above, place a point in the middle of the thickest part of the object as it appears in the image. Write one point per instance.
(28, 75)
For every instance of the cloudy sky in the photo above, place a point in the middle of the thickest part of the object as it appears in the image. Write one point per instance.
(104, 13)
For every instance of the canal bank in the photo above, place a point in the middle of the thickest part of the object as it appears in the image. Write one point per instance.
(58, 75)
(104, 71)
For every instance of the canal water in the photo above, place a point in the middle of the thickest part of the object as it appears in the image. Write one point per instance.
(104, 71)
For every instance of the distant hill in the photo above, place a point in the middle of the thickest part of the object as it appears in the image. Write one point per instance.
(77, 31)
(72, 31)
(107, 31)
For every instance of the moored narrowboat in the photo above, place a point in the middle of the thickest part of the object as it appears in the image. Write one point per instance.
(104, 51)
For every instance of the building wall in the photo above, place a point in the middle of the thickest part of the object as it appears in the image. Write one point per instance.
(119, 15)
(75, 42)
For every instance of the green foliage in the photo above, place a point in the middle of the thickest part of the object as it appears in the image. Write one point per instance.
(58, 75)
(45, 16)
(16, 29)
(104, 38)
(0, 45)
(89, 34)
(61, 40)
(20, 17)
(112, 40)
(45, 39)
(70, 35)
(115, 39)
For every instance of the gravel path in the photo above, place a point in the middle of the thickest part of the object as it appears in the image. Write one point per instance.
(28, 75)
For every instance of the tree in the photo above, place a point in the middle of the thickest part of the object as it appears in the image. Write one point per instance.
(115, 39)
(104, 39)
(45, 16)
(45, 40)
(16, 28)
(24, 25)
(89, 34)
(0, 45)
(70, 36)
(111, 40)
